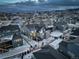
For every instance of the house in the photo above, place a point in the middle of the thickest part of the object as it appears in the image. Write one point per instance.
(9, 30)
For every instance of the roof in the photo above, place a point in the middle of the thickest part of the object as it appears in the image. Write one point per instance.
(56, 33)
(73, 25)
(48, 53)
(75, 32)
(15, 51)
(51, 26)
(6, 38)
(32, 27)
(74, 49)
(8, 30)
(45, 55)
(55, 43)
(17, 36)
(9, 37)
(70, 47)
(9, 27)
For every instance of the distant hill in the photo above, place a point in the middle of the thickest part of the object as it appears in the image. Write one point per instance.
(42, 6)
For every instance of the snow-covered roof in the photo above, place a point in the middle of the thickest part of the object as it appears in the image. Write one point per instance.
(15, 51)
(9, 37)
(55, 43)
(51, 26)
(56, 33)
(73, 25)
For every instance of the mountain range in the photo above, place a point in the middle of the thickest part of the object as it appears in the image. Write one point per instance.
(28, 6)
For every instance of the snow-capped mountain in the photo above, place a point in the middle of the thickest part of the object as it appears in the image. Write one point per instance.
(37, 5)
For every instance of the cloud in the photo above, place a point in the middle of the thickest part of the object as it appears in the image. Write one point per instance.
(49, 1)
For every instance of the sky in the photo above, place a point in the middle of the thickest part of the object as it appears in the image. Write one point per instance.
(54, 1)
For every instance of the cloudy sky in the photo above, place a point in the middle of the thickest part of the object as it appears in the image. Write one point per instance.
(76, 2)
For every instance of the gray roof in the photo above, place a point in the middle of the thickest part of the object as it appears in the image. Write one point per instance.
(49, 53)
